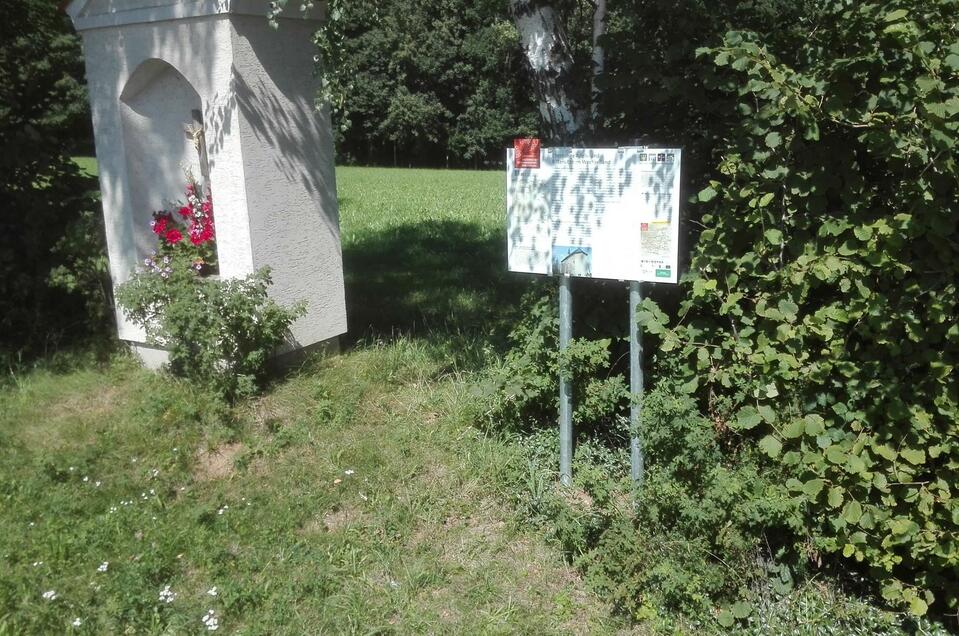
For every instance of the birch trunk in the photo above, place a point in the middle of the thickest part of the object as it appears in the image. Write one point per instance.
(548, 53)
(599, 61)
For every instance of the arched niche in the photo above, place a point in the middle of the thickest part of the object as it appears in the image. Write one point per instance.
(156, 106)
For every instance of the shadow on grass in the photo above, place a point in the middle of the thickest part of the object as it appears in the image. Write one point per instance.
(437, 279)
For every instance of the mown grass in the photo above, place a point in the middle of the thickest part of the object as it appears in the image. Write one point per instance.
(355, 496)
(425, 253)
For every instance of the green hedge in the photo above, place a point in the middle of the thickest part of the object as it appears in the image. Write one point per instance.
(821, 315)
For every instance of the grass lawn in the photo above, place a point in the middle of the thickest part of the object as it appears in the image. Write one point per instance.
(355, 496)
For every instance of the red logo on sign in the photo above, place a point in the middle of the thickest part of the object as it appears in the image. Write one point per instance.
(526, 153)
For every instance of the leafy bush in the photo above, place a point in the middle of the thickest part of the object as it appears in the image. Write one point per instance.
(707, 521)
(219, 333)
(709, 509)
(524, 390)
(820, 321)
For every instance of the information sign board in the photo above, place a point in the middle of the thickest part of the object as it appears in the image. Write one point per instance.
(595, 212)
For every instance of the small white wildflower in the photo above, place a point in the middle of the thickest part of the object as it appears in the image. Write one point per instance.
(103, 566)
(113, 509)
(85, 479)
(211, 621)
(97, 483)
(167, 595)
(212, 591)
(153, 492)
(133, 460)
(348, 472)
(394, 584)
(72, 468)
(37, 564)
(155, 473)
(49, 595)
(32, 524)
(222, 510)
(77, 622)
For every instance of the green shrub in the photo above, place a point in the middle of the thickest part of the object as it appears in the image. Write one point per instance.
(219, 333)
(708, 518)
(820, 321)
(523, 391)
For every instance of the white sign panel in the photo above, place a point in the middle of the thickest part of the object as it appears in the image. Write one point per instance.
(596, 212)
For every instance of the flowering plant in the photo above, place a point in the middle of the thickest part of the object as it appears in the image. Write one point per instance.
(187, 229)
(219, 333)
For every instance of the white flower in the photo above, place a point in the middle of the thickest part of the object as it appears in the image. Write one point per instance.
(211, 621)
(103, 566)
(77, 622)
(37, 564)
(167, 595)
(212, 591)
(85, 479)
(49, 595)
(113, 509)
(348, 471)
(222, 510)
(97, 483)
(155, 472)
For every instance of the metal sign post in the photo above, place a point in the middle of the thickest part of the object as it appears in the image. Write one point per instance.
(636, 462)
(565, 389)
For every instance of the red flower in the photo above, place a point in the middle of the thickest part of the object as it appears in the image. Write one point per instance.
(173, 237)
(185, 211)
(159, 225)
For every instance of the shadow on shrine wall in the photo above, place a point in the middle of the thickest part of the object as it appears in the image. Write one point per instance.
(431, 279)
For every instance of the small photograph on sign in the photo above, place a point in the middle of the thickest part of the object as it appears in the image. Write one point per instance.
(572, 260)
(526, 153)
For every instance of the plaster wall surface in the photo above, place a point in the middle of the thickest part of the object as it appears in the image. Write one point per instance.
(158, 152)
(97, 7)
(287, 159)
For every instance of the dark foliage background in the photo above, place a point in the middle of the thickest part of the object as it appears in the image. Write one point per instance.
(52, 285)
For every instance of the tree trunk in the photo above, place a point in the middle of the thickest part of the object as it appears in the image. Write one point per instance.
(550, 61)
(599, 62)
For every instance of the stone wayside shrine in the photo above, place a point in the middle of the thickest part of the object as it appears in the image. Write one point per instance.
(207, 86)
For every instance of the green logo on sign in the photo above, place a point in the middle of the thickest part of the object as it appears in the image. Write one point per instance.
(663, 273)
